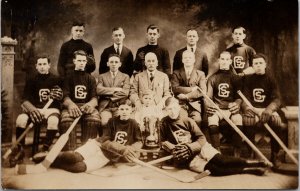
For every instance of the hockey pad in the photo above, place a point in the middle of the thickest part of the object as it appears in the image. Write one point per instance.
(89, 129)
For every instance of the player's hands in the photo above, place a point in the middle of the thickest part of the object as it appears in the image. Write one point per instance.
(234, 107)
(87, 109)
(129, 153)
(211, 110)
(74, 110)
(36, 116)
(182, 97)
(249, 112)
(266, 115)
(182, 152)
(56, 93)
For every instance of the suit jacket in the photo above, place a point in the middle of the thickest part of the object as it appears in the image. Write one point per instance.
(126, 60)
(160, 86)
(200, 64)
(180, 85)
(106, 85)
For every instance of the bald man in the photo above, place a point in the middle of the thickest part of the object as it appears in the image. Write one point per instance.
(151, 79)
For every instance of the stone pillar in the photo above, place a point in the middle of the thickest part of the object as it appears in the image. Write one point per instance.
(7, 86)
(291, 114)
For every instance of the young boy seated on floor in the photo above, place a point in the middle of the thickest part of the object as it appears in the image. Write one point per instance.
(37, 91)
(120, 141)
(183, 138)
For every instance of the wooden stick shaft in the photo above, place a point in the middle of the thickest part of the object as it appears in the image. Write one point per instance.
(270, 130)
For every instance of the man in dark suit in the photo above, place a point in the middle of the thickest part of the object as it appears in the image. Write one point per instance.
(125, 53)
(161, 53)
(201, 58)
(113, 86)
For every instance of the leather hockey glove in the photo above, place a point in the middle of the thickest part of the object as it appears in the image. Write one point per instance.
(182, 152)
(234, 107)
(167, 146)
(56, 93)
(130, 152)
(211, 110)
(266, 115)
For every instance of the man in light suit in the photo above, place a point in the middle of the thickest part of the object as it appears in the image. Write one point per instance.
(185, 84)
(125, 53)
(201, 62)
(151, 79)
(113, 86)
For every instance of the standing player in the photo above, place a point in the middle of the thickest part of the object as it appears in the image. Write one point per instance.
(262, 92)
(113, 87)
(241, 53)
(65, 61)
(185, 84)
(201, 62)
(183, 138)
(161, 53)
(120, 141)
(80, 98)
(118, 47)
(37, 91)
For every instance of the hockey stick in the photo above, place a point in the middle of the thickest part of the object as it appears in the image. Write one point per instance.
(26, 131)
(122, 171)
(51, 156)
(269, 128)
(237, 129)
(185, 179)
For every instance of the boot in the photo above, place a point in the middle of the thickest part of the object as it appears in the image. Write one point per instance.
(215, 141)
(254, 170)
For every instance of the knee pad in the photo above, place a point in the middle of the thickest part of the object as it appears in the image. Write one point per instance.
(22, 120)
(52, 122)
(237, 119)
(249, 121)
(89, 127)
(64, 126)
(213, 120)
(213, 129)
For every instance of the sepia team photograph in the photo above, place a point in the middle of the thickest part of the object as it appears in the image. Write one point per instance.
(136, 94)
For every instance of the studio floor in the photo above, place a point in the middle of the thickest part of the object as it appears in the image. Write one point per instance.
(141, 178)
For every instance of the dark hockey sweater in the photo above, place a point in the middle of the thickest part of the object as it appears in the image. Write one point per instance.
(37, 89)
(117, 135)
(162, 57)
(80, 87)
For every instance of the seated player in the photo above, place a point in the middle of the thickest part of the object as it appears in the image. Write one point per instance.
(222, 88)
(119, 142)
(185, 84)
(80, 99)
(38, 89)
(113, 87)
(262, 92)
(183, 138)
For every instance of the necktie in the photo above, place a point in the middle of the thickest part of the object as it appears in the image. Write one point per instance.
(192, 49)
(114, 75)
(188, 75)
(118, 49)
(151, 77)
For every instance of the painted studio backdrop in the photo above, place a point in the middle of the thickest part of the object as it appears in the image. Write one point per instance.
(42, 27)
